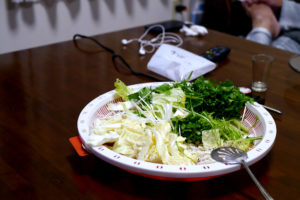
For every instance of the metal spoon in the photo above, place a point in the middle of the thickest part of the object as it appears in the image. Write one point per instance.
(233, 155)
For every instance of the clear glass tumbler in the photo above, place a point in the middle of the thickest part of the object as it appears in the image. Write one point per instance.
(261, 65)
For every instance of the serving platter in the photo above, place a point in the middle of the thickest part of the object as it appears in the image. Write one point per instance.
(265, 126)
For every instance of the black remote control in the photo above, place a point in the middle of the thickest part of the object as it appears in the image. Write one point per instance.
(216, 54)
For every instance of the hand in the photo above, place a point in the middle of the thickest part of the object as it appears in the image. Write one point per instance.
(262, 16)
(274, 4)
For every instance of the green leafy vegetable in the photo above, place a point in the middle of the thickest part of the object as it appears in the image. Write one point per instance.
(191, 127)
(144, 93)
(224, 100)
(122, 90)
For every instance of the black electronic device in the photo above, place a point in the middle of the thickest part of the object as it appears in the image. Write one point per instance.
(216, 54)
(256, 98)
(173, 25)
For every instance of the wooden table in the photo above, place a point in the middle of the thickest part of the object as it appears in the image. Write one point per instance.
(43, 90)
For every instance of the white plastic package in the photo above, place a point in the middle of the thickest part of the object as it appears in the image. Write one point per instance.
(177, 64)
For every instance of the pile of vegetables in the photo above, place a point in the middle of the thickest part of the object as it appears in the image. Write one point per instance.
(174, 123)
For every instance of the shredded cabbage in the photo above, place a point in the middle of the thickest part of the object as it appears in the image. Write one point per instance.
(144, 141)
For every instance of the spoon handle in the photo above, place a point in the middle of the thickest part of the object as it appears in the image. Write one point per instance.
(260, 187)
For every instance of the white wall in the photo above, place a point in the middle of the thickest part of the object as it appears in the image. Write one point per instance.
(43, 22)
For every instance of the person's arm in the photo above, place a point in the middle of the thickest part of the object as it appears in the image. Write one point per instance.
(260, 35)
(264, 23)
(274, 4)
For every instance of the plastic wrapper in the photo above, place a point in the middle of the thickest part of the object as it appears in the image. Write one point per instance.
(177, 64)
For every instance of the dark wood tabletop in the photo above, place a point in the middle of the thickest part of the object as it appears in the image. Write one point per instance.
(43, 90)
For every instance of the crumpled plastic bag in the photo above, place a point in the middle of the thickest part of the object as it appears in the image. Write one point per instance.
(177, 64)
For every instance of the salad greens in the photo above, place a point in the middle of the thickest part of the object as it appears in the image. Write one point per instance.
(210, 106)
(224, 100)
(167, 123)
(122, 90)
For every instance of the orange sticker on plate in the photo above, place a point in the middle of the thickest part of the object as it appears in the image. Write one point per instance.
(77, 145)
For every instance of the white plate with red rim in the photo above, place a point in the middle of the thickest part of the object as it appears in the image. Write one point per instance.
(265, 126)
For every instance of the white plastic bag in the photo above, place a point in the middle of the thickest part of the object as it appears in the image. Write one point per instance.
(177, 64)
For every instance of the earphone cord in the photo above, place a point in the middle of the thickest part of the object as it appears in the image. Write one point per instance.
(114, 56)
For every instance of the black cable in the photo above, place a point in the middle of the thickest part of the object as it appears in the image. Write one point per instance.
(114, 56)
(94, 40)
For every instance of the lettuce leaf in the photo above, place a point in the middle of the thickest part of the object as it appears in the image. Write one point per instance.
(122, 90)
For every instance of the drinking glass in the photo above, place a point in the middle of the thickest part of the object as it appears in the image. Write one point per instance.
(261, 64)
